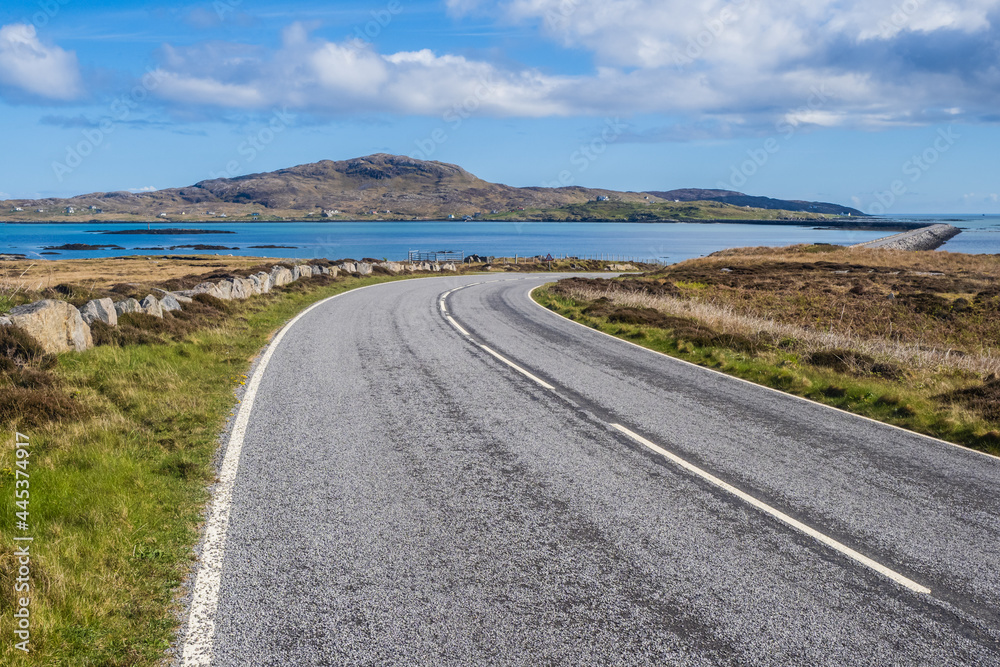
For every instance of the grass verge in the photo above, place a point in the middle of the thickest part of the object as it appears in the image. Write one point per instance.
(947, 403)
(122, 445)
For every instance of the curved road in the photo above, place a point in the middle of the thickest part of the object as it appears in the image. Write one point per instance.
(441, 472)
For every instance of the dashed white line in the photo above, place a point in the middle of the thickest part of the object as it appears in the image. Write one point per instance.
(444, 311)
(457, 326)
(795, 524)
(517, 368)
(734, 378)
(777, 514)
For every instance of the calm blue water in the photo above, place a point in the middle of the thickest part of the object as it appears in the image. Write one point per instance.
(666, 242)
(980, 234)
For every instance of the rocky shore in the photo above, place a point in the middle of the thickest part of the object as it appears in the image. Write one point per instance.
(925, 238)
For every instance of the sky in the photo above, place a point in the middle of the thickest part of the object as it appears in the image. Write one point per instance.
(890, 106)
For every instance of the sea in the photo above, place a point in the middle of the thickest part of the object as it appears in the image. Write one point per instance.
(665, 243)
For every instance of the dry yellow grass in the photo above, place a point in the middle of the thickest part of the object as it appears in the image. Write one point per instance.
(724, 319)
(99, 273)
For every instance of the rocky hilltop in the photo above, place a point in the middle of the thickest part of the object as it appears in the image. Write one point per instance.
(380, 186)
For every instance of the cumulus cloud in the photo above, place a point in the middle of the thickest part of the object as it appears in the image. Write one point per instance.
(741, 65)
(41, 70)
(350, 76)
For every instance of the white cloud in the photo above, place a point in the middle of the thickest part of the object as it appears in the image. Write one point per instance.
(742, 64)
(148, 188)
(349, 76)
(28, 64)
(743, 33)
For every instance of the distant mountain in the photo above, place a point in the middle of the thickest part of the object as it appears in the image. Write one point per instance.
(740, 199)
(375, 187)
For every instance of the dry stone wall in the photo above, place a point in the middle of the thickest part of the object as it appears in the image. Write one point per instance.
(61, 327)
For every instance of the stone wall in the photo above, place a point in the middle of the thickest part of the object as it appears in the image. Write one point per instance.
(61, 327)
(925, 238)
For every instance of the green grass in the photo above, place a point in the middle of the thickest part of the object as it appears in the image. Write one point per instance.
(117, 496)
(913, 406)
(621, 211)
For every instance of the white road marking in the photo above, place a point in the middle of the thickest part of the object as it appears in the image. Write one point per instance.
(517, 368)
(451, 320)
(205, 594)
(781, 516)
(759, 386)
(712, 479)
(457, 326)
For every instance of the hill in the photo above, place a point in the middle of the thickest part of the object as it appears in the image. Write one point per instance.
(388, 187)
(767, 203)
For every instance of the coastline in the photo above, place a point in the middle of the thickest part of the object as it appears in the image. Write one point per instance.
(873, 224)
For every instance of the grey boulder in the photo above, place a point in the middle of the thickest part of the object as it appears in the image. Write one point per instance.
(100, 309)
(56, 325)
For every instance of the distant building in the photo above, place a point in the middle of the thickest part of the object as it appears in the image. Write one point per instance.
(70, 210)
(162, 215)
(451, 216)
(39, 210)
(603, 198)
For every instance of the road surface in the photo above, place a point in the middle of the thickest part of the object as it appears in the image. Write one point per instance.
(441, 472)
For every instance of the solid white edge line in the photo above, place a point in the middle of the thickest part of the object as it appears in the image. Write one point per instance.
(200, 633)
(777, 514)
(760, 386)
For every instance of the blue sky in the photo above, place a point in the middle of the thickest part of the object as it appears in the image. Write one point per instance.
(887, 105)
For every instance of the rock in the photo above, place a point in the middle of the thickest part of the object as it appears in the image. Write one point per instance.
(449, 267)
(225, 289)
(235, 288)
(280, 275)
(305, 271)
(100, 309)
(332, 271)
(56, 325)
(394, 267)
(5, 321)
(249, 287)
(128, 306)
(364, 268)
(170, 303)
(203, 288)
(296, 274)
(151, 306)
(265, 282)
(181, 298)
(925, 238)
(253, 285)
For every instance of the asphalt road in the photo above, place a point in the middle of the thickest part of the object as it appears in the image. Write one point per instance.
(406, 496)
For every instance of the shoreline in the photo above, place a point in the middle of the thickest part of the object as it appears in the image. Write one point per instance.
(874, 224)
